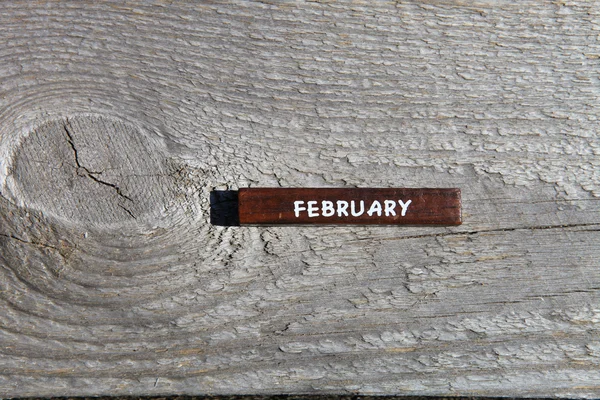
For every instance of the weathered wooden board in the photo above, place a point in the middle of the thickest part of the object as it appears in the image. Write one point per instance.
(118, 119)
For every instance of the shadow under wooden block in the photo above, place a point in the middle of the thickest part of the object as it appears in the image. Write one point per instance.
(224, 208)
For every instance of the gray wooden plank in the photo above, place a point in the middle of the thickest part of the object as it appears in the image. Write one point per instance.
(117, 120)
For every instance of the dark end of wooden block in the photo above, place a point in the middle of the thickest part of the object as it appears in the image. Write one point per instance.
(360, 206)
(224, 208)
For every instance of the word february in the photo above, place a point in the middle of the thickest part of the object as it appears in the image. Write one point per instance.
(380, 206)
(340, 207)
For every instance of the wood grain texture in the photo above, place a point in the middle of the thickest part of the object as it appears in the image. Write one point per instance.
(117, 120)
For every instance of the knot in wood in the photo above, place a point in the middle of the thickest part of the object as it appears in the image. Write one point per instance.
(92, 170)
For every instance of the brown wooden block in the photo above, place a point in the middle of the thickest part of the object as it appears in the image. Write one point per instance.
(381, 206)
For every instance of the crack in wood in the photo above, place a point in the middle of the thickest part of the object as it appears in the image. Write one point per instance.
(47, 246)
(476, 232)
(90, 174)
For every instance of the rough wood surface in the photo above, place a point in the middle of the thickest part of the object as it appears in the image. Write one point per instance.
(117, 120)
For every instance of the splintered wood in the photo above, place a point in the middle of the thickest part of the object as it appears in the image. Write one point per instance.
(378, 206)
